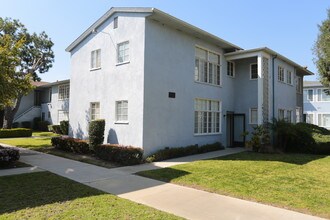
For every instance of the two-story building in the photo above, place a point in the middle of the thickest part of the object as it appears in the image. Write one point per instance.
(316, 104)
(161, 82)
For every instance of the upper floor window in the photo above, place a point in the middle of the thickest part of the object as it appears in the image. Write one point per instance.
(322, 95)
(254, 71)
(299, 85)
(122, 111)
(207, 66)
(123, 52)
(289, 77)
(95, 110)
(308, 95)
(115, 22)
(280, 74)
(207, 116)
(231, 69)
(96, 59)
(63, 92)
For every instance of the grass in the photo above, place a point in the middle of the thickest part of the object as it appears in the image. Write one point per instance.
(295, 181)
(47, 196)
(31, 143)
(44, 134)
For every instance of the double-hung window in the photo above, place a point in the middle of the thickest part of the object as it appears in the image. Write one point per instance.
(254, 71)
(289, 77)
(323, 120)
(280, 76)
(310, 118)
(253, 116)
(207, 116)
(123, 52)
(299, 85)
(322, 95)
(63, 92)
(207, 66)
(122, 111)
(95, 110)
(308, 95)
(289, 115)
(231, 69)
(96, 59)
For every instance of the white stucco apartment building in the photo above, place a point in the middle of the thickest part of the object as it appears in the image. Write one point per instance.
(161, 82)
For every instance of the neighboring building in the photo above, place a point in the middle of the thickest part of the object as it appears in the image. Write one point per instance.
(161, 82)
(49, 101)
(316, 104)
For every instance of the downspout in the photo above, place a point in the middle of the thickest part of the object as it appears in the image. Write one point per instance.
(273, 94)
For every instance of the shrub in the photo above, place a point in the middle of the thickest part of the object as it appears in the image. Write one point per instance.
(55, 128)
(26, 124)
(96, 132)
(35, 125)
(15, 132)
(8, 155)
(15, 125)
(64, 126)
(125, 155)
(168, 153)
(70, 144)
(42, 126)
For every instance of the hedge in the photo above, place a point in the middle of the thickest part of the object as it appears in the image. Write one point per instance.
(64, 126)
(15, 132)
(55, 128)
(125, 155)
(96, 132)
(8, 155)
(168, 153)
(70, 144)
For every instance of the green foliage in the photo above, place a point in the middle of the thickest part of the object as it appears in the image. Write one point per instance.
(55, 128)
(42, 126)
(125, 155)
(174, 152)
(322, 51)
(70, 144)
(96, 132)
(15, 132)
(64, 126)
(260, 138)
(8, 155)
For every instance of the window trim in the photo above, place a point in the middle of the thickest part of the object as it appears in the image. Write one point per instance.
(234, 71)
(278, 74)
(291, 116)
(124, 62)
(116, 113)
(307, 99)
(58, 88)
(278, 114)
(250, 116)
(286, 77)
(299, 86)
(91, 68)
(317, 119)
(319, 96)
(251, 64)
(90, 111)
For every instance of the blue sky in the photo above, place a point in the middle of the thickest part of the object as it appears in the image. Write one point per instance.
(288, 27)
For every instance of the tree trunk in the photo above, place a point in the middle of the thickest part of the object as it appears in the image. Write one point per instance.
(2, 114)
(10, 114)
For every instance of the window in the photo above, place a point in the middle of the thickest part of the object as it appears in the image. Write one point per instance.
(308, 95)
(63, 92)
(207, 67)
(95, 110)
(289, 115)
(280, 114)
(299, 85)
(253, 116)
(289, 77)
(298, 114)
(310, 118)
(254, 71)
(207, 116)
(231, 69)
(96, 59)
(123, 52)
(122, 111)
(323, 120)
(280, 74)
(322, 95)
(115, 22)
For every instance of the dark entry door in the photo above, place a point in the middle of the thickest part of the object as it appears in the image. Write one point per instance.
(235, 129)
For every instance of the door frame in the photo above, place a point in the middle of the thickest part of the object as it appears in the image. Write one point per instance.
(231, 129)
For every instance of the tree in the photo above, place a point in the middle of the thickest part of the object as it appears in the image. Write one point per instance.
(24, 56)
(322, 51)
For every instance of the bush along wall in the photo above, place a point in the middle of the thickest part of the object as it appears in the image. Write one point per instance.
(8, 155)
(55, 128)
(96, 133)
(64, 126)
(125, 155)
(168, 153)
(15, 132)
(70, 144)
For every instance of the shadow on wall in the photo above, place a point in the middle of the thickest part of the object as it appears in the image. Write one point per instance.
(79, 132)
(112, 137)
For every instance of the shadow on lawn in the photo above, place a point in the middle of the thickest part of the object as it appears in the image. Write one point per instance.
(37, 189)
(298, 159)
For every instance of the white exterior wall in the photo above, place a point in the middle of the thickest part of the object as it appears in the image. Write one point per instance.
(111, 83)
(169, 67)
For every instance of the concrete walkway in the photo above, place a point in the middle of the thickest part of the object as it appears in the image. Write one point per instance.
(181, 201)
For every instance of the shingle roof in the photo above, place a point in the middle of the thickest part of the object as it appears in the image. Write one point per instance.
(37, 84)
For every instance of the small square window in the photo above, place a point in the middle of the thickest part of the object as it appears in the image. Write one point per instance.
(254, 71)
(115, 23)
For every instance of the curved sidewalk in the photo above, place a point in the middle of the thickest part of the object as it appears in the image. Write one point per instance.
(179, 200)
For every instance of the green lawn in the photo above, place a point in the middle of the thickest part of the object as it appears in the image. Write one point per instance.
(295, 181)
(44, 134)
(31, 143)
(48, 196)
